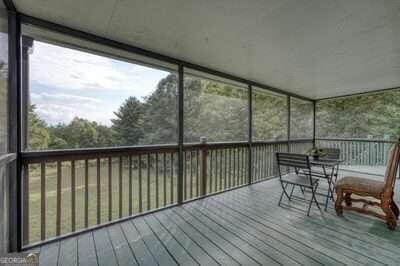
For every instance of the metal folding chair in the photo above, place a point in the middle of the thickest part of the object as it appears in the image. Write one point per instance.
(301, 177)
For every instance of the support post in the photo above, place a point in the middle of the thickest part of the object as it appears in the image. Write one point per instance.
(14, 139)
(180, 133)
(27, 48)
(250, 137)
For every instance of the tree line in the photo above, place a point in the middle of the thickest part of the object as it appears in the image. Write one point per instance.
(219, 112)
(373, 115)
(215, 110)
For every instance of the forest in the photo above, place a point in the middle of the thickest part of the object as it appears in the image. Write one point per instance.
(372, 115)
(215, 110)
(219, 112)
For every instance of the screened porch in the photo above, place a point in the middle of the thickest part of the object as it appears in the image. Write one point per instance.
(126, 139)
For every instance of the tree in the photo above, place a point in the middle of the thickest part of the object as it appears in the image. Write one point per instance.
(38, 135)
(128, 124)
(105, 136)
(160, 120)
(214, 110)
(360, 116)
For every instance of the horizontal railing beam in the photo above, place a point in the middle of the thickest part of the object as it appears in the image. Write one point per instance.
(7, 158)
(356, 140)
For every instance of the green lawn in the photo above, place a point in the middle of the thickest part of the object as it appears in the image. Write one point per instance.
(66, 195)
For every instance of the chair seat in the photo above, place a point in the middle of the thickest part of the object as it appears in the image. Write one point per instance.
(301, 180)
(361, 185)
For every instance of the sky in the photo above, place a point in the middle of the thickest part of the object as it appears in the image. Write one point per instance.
(65, 83)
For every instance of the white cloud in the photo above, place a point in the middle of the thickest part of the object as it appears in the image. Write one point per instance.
(70, 69)
(60, 76)
(62, 108)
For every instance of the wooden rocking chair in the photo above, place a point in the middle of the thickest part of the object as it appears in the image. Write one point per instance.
(382, 191)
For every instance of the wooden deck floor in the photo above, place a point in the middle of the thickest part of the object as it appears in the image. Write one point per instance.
(243, 226)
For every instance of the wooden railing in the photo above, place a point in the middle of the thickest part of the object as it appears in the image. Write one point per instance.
(69, 191)
(368, 152)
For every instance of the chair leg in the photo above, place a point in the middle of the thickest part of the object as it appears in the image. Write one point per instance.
(394, 208)
(283, 193)
(391, 219)
(313, 199)
(347, 199)
(313, 195)
(309, 206)
(338, 203)
(302, 192)
(291, 192)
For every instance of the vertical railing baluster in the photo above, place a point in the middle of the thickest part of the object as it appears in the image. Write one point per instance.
(157, 190)
(98, 190)
(25, 201)
(42, 200)
(109, 189)
(230, 169)
(234, 168)
(58, 217)
(120, 169)
(73, 200)
(225, 168)
(210, 173)
(86, 193)
(148, 183)
(216, 171)
(255, 172)
(130, 186)
(197, 172)
(220, 169)
(172, 178)
(204, 170)
(191, 174)
(264, 161)
(184, 175)
(165, 178)
(140, 184)
(243, 164)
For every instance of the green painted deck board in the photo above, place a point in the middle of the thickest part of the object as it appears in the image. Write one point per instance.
(157, 248)
(121, 247)
(196, 251)
(104, 249)
(241, 226)
(68, 254)
(173, 246)
(86, 250)
(307, 232)
(143, 255)
(212, 249)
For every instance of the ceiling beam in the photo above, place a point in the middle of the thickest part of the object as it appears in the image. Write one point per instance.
(10, 5)
(359, 93)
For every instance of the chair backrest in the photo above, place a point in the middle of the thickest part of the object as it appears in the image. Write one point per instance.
(331, 153)
(294, 160)
(391, 168)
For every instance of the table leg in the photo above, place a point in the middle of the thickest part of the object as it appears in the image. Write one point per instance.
(329, 179)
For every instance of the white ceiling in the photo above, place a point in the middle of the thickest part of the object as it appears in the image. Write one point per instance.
(313, 48)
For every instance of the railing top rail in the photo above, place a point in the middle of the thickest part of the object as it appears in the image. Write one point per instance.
(357, 140)
(214, 145)
(261, 142)
(93, 153)
(7, 158)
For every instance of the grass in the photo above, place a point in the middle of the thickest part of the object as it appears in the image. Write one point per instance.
(220, 176)
(148, 179)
